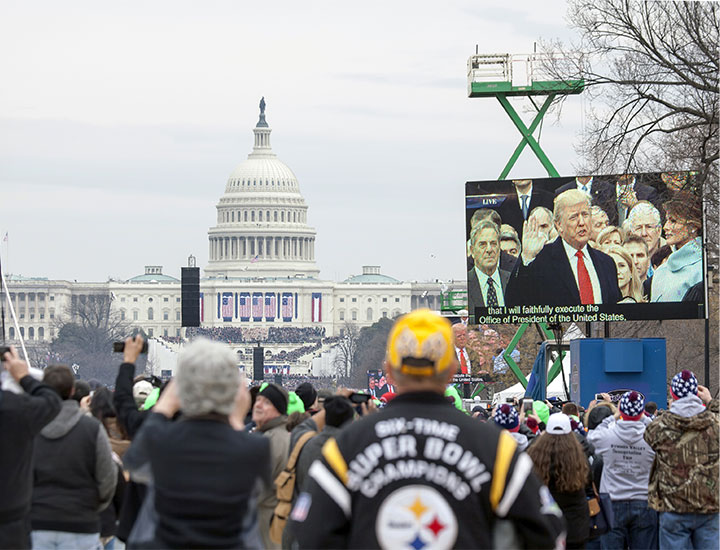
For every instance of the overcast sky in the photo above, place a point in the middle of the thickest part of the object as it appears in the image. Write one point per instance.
(121, 122)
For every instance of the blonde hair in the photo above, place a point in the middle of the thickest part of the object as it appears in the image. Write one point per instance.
(568, 198)
(605, 233)
(635, 287)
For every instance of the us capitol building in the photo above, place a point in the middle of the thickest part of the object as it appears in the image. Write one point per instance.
(261, 276)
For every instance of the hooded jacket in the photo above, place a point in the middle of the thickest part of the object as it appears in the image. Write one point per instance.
(22, 416)
(74, 474)
(521, 440)
(627, 458)
(684, 476)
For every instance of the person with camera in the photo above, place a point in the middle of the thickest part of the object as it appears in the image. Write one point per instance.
(206, 470)
(124, 399)
(420, 472)
(22, 417)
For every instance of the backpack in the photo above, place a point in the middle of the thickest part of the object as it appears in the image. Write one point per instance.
(285, 487)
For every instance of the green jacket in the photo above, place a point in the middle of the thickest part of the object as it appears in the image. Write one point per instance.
(684, 475)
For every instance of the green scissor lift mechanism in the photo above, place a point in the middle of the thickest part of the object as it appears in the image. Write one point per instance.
(503, 76)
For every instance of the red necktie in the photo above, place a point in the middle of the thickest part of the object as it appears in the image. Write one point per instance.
(586, 290)
(463, 363)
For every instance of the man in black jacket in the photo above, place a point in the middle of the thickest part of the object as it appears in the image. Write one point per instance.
(420, 473)
(132, 419)
(22, 416)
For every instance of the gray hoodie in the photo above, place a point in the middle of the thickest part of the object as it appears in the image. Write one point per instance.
(627, 458)
(687, 406)
(105, 469)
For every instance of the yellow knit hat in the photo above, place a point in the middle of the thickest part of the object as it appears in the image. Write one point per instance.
(421, 334)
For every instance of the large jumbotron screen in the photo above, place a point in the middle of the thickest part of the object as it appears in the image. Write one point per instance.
(572, 249)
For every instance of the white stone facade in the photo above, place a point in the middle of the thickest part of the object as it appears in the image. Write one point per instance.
(261, 272)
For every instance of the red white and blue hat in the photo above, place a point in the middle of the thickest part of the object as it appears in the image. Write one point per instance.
(632, 405)
(683, 384)
(507, 417)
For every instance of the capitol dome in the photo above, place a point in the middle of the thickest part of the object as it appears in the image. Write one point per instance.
(262, 226)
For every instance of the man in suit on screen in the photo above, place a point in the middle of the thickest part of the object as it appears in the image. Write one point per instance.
(486, 280)
(565, 271)
(600, 192)
(517, 206)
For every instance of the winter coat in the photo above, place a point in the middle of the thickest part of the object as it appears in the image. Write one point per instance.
(684, 475)
(206, 477)
(74, 475)
(22, 416)
(279, 437)
(682, 270)
(127, 411)
(420, 473)
(575, 509)
(627, 458)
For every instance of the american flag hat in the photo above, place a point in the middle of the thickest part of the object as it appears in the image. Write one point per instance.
(506, 416)
(632, 405)
(684, 383)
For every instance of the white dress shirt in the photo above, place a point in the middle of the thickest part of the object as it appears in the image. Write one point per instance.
(529, 198)
(459, 352)
(484, 286)
(570, 251)
(588, 186)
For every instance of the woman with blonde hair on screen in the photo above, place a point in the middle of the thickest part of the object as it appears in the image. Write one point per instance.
(628, 279)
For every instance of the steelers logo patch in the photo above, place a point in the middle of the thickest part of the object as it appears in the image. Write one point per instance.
(416, 517)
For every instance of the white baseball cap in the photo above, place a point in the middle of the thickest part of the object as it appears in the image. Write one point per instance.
(558, 424)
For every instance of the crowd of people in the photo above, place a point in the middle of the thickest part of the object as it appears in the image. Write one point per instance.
(623, 242)
(205, 461)
(275, 335)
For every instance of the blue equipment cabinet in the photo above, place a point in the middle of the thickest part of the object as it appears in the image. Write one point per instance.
(603, 365)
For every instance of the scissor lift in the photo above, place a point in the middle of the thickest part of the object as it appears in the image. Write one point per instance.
(503, 76)
(526, 75)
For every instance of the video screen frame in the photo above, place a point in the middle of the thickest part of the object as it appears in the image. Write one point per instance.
(660, 213)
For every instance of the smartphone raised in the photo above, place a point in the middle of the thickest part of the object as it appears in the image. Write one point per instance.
(119, 347)
(358, 398)
(527, 405)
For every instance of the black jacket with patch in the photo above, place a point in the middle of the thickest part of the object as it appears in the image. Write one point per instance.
(421, 473)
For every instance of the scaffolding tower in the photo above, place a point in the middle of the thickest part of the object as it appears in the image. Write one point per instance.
(525, 75)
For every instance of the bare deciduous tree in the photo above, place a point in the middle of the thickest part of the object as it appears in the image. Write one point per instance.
(85, 333)
(346, 352)
(651, 71)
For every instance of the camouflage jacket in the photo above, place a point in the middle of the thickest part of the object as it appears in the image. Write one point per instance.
(684, 475)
